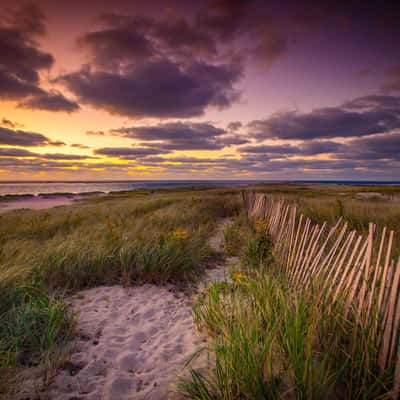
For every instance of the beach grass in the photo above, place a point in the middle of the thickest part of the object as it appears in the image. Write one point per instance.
(128, 238)
(269, 340)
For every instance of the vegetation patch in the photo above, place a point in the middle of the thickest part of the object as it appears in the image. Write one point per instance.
(268, 340)
(126, 239)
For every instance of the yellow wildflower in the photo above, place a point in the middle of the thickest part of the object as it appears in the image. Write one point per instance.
(238, 277)
(261, 225)
(180, 233)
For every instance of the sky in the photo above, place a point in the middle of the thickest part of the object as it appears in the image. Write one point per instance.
(213, 89)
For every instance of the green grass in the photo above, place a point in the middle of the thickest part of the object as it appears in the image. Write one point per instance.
(124, 238)
(236, 233)
(270, 341)
(31, 323)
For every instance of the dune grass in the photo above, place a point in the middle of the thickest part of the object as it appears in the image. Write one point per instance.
(269, 341)
(127, 238)
(329, 202)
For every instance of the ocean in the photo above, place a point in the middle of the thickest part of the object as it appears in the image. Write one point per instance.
(50, 187)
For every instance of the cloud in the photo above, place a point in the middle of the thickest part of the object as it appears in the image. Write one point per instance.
(232, 21)
(109, 46)
(24, 138)
(369, 148)
(360, 117)
(175, 66)
(29, 19)
(130, 153)
(17, 152)
(9, 124)
(176, 33)
(271, 149)
(21, 58)
(51, 101)
(11, 87)
(234, 126)
(157, 88)
(225, 18)
(321, 147)
(182, 136)
(22, 61)
(60, 156)
(14, 152)
(377, 147)
(79, 146)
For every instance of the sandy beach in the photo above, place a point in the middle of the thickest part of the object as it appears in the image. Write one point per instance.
(132, 343)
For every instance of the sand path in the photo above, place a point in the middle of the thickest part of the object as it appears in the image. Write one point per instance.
(133, 342)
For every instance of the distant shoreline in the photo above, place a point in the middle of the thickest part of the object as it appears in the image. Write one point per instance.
(16, 190)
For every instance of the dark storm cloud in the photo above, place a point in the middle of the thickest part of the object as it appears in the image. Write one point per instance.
(378, 147)
(24, 138)
(361, 117)
(176, 33)
(11, 87)
(183, 136)
(172, 132)
(112, 45)
(21, 58)
(157, 88)
(175, 65)
(22, 61)
(51, 101)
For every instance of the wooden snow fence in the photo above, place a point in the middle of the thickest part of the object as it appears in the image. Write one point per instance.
(360, 270)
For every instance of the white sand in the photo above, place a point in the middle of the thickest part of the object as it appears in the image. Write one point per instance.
(132, 342)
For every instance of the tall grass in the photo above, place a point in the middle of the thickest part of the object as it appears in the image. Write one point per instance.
(124, 238)
(269, 340)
